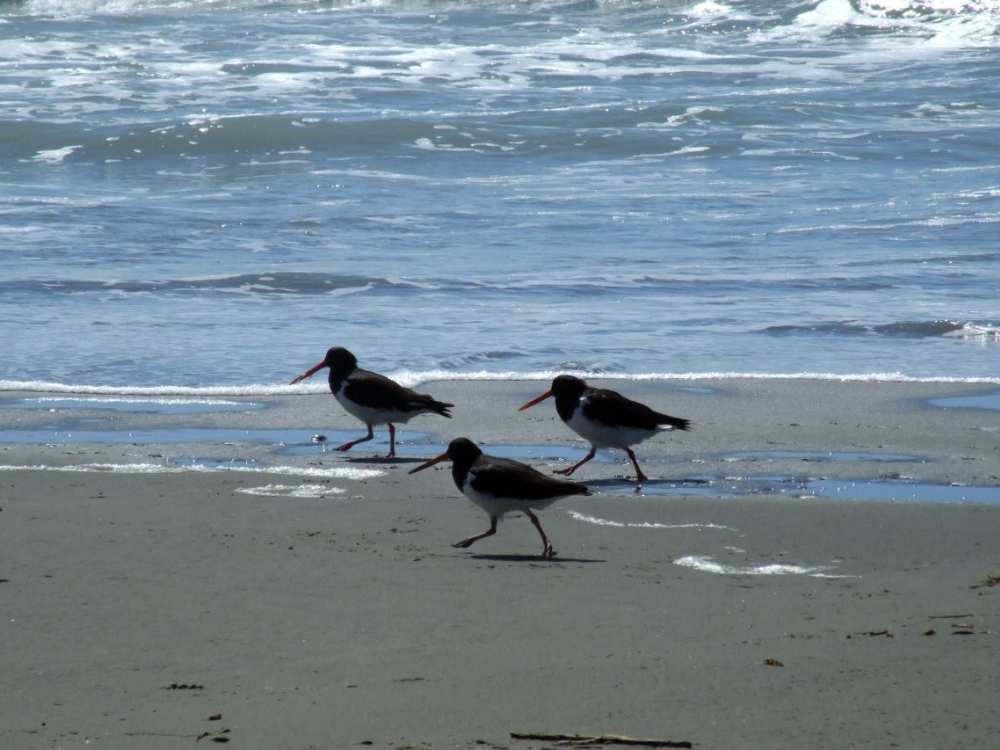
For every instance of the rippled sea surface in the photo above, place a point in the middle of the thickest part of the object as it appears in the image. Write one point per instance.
(212, 193)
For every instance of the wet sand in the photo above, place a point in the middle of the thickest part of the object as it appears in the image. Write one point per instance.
(138, 606)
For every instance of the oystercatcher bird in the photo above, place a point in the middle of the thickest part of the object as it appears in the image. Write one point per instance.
(605, 418)
(500, 486)
(372, 398)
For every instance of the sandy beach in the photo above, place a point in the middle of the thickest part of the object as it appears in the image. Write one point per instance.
(149, 600)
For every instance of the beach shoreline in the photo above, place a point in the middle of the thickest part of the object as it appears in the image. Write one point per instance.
(145, 593)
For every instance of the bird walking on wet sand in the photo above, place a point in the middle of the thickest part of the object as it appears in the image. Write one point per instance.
(500, 486)
(605, 418)
(372, 398)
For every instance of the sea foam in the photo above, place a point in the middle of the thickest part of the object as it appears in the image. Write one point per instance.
(411, 378)
(709, 565)
(305, 491)
(597, 521)
(335, 472)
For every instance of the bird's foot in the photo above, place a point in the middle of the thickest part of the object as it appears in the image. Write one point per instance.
(390, 454)
(566, 472)
(548, 553)
(464, 543)
(344, 447)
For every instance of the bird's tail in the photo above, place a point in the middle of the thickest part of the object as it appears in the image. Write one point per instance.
(674, 423)
(439, 407)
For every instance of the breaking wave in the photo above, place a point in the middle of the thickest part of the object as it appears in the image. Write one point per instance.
(904, 329)
(282, 283)
(411, 378)
(571, 285)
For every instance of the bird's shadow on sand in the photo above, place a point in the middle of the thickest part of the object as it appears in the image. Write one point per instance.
(614, 486)
(384, 460)
(611, 482)
(630, 486)
(533, 559)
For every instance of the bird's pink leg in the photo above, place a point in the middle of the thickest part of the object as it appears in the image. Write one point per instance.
(571, 469)
(639, 476)
(547, 552)
(489, 532)
(392, 441)
(350, 444)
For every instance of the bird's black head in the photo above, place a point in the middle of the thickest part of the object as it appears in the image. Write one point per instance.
(463, 451)
(567, 386)
(567, 391)
(340, 361)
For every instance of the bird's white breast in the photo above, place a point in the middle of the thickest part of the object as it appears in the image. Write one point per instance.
(604, 436)
(497, 506)
(369, 415)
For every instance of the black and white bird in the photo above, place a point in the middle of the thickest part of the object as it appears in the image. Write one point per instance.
(372, 398)
(501, 485)
(606, 419)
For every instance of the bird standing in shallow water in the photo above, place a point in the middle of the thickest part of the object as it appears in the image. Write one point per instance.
(372, 398)
(606, 419)
(500, 485)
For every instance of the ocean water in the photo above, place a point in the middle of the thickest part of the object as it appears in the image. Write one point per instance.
(210, 194)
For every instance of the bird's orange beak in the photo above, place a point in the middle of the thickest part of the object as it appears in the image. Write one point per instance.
(431, 462)
(536, 400)
(309, 373)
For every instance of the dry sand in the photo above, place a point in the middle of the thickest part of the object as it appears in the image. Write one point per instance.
(136, 608)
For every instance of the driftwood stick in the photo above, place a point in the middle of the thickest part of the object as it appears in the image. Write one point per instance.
(583, 740)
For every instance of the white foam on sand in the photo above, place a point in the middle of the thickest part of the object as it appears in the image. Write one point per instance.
(137, 468)
(709, 565)
(333, 472)
(644, 524)
(307, 491)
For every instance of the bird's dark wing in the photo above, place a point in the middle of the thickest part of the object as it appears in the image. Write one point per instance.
(613, 409)
(380, 392)
(506, 478)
